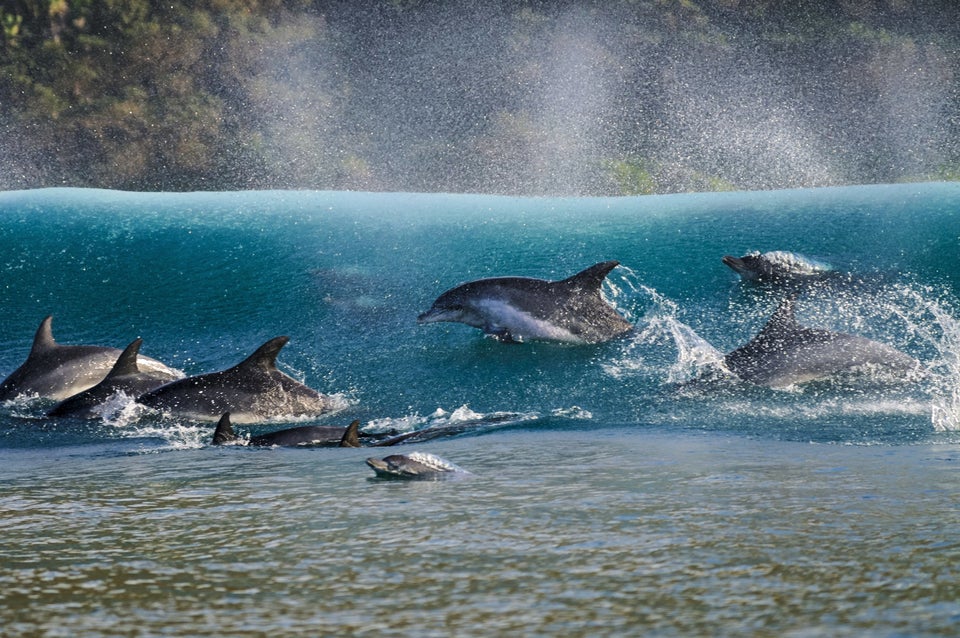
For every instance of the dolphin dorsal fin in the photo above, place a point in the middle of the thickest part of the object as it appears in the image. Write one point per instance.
(784, 319)
(265, 356)
(43, 340)
(351, 437)
(127, 362)
(224, 432)
(592, 278)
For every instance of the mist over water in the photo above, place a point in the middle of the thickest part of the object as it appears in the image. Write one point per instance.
(530, 98)
(573, 100)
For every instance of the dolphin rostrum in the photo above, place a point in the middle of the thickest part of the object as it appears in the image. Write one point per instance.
(56, 371)
(254, 390)
(125, 376)
(416, 465)
(513, 309)
(308, 435)
(785, 353)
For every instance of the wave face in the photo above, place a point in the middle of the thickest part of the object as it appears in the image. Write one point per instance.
(205, 278)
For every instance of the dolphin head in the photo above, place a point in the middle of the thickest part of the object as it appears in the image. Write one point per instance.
(459, 305)
(774, 265)
(751, 266)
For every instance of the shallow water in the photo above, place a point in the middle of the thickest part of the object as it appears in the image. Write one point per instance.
(606, 497)
(607, 532)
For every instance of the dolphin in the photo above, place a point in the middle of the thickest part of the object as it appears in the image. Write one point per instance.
(125, 376)
(513, 309)
(254, 390)
(313, 435)
(785, 353)
(776, 265)
(416, 465)
(56, 371)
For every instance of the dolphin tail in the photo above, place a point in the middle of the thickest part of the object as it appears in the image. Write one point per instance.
(224, 432)
(351, 438)
(592, 277)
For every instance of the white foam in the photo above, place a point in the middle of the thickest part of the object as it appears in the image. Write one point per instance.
(434, 462)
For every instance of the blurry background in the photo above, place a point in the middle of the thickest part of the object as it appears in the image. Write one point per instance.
(513, 97)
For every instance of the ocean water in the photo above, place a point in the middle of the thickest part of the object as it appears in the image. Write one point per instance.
(609, 495)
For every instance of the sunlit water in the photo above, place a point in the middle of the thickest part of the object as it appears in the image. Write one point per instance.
(607, 496)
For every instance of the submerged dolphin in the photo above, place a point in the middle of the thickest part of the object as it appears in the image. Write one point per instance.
(55, 371)
(125, 376)
(416, 465)
(312, 435)
(513, 309)
(776, 265)
(785, 353)
(254, 390)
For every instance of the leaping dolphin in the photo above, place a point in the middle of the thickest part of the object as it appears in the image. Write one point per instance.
(513, 309)
(308, 435)
(785, 353)
(254, 390)
(125, 376)
(56, 371)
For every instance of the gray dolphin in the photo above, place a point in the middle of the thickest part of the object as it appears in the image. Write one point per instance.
(125, 376)
(254, 390)
(514, 309)
(56, 371)
(776, 265)
(785, 353)
(416, 465)
(308, 435)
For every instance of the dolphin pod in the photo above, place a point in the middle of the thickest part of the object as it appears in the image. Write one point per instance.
(125, 376)
(56, 371)
(82, 377)
(511, 309)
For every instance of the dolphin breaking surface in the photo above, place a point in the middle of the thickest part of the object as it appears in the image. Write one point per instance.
(515, 309)
(254, 390)
(125, 377)
(56, 371)
(306, 435)
(785, 353)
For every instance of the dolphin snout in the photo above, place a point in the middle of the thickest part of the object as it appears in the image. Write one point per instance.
(433, 315)
(735, 263)
(731, 261)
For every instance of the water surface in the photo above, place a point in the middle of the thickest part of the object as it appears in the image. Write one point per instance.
(607, 498)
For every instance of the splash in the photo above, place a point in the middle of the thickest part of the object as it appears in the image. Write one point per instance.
(441, 418)
(657, 329)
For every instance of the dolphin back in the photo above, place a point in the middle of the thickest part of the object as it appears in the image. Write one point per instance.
(785, 353)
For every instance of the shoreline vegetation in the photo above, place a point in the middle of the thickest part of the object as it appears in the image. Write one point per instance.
(516, 97)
